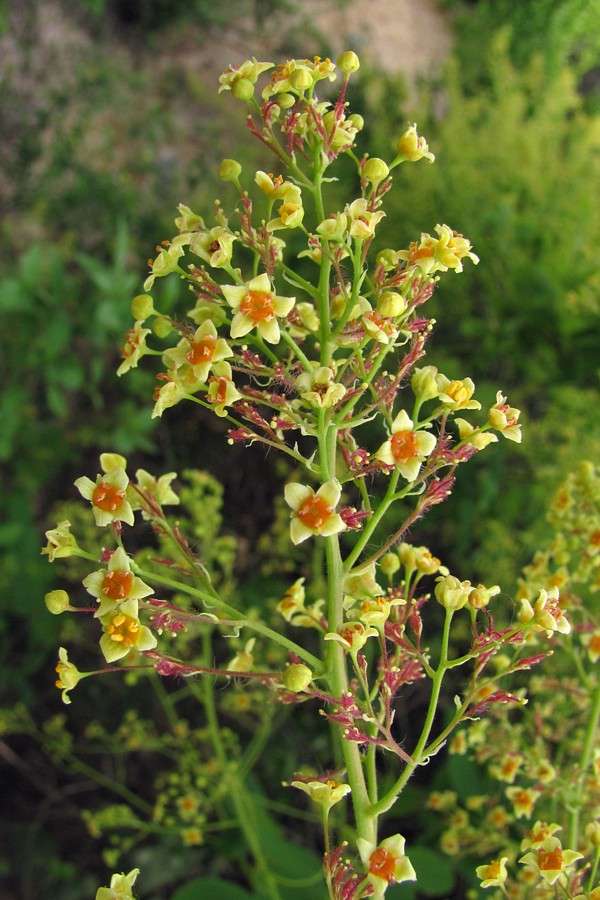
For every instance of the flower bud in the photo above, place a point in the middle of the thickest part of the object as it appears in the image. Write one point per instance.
(229, 170)
(297, 677)
(348, 62)
(357, 121)
(375, 170)
(424, 384)
(285, 101)
(301, 79)
(391, 304)
(389, 564)
(142, 307)
(242, 89)
(57, 602)
(162, 327)
(451, 593)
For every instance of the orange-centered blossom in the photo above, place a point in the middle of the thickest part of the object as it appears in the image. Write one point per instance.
(258, 306)
(107, 497)
(314, 512)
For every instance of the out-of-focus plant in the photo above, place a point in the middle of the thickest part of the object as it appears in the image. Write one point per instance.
(538, 820)
(300, 364)
(516, 160)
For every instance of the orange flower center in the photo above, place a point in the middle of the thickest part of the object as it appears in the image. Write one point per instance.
(551, 860)
(314, 512)
(107, 497)
(382, 864)
(404, 445)
(594, 644)
(258, 306)
(124, 629)
(117, 585)
(201, 352)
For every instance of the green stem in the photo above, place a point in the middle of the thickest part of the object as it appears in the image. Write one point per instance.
(235, 786)
(210, 599)
(584, 764)
(418, 754)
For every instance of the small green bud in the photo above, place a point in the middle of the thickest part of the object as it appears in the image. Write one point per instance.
(424, 384)
(348, 62)
(285, 101)
(357, 121)
(375, 170)
(142, 307)
(297, 677)
(242, 89)
(57, 602)
(301, 79)
(391, 304)
(162, 327)
(389, 564)
(230, 170)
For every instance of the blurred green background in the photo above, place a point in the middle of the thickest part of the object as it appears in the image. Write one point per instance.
(109, 117)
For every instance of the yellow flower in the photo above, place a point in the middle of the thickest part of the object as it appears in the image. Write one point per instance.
(352, 636)
(494, 874)
(167, 260)
(222, 391)
(61, 543)
(550, 860)
(406, 449)
(546, 614)
(200, 352)
(121, 887)
(439, 254)
(411, 147)
(386, 863)
(504, 418)
(68, 675)
(215, 246)
(290, 212)
(319, 388)
(256, 306)
(362, 220)
(134, 348)
(456, 394)
(108, 496)
(523, 800)
(313, 512)
(324, 793)
(123, 632)
(451, 593)
(248, 72)
(115, 584)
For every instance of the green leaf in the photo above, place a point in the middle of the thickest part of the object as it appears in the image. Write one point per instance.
(211, 888)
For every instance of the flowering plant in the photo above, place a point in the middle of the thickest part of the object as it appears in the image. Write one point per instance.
(303, 337)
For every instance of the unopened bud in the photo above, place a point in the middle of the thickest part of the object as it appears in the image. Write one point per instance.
(142, 307)
(389, 564)
(375, 170)
(297, 677)
(424, 384)
(348, 62)
(229, 170)
(162, 327)
(301, 79)
(391, 304)
(242, 89)
(357, 121)
(285, 101)
(57, 602)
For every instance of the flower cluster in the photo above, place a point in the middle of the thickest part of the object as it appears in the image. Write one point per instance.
(297, 335)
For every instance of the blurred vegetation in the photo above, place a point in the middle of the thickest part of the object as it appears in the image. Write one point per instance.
(108, 120)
